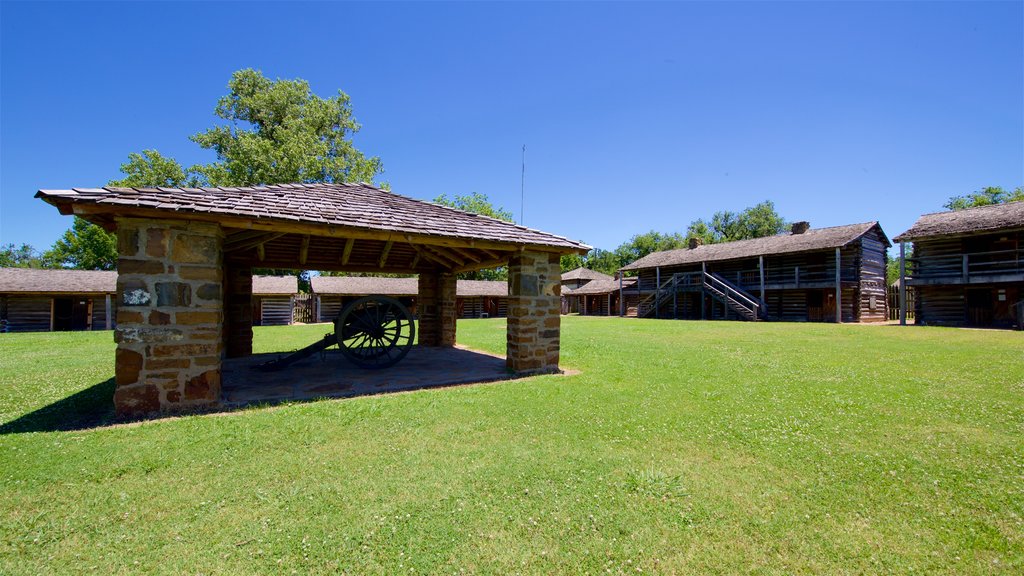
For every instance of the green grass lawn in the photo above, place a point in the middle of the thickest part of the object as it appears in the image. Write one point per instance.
(680, 447)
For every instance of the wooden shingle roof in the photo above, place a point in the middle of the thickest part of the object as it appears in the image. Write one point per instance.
(600, 287)
(363, 285)
(582, 273)
(31, 280)
(274, 285)
(812, 239)
(349, 205)
(1009, 216)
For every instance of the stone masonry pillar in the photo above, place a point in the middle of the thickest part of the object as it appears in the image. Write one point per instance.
(535, 282)
(169, 315)
(435, 304)
(237, 310)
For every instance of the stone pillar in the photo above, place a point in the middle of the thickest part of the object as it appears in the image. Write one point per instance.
(237, 310)
(169, 316)
(534, 280)
(435, 304)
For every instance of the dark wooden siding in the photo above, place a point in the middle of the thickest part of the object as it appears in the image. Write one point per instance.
(872, 303)
(28, 313)
(274, 310)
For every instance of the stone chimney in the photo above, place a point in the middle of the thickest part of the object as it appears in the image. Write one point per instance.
(801, 227)
(694, 242)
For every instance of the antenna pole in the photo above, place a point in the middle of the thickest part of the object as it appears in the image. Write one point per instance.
(522, 192)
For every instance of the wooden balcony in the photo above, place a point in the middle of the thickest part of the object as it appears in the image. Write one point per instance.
(967, 268)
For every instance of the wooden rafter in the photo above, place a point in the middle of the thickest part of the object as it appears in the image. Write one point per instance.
(482, 265)
(384, 253)
(467, 254)
(250, 241)
(432, 257)
(445, 253)
(347, 253)
(415, 260)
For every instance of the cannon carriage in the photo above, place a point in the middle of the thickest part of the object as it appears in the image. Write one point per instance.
(372, 332)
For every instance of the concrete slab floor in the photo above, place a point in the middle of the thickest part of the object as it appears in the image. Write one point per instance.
(333, 376)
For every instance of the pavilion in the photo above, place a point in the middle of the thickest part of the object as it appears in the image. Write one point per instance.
(184, 286)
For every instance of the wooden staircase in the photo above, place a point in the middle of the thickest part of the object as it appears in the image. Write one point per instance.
(743, 304)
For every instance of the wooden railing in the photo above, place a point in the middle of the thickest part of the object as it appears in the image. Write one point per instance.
(731, 295)
(750, 279)
(967, 266)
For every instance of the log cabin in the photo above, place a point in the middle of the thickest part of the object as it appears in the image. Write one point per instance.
(273, 299)
(574, 279)
(474, 298)
(33, 300)
(834, 274)
(604, 298)
(967, 267)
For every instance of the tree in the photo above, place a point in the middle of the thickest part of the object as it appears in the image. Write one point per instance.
(153, 169)
(572, 262)
(24, 256)
(985, 197)
(641, 245)
(478, 203)
(281, 132)
(754, 222)
(84, 247)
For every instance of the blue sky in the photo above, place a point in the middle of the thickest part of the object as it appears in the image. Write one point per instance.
(635, 116)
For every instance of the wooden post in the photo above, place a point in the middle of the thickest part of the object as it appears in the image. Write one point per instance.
(760, 270)
(965, 268)
(108, 313)
(608, 312)
(703, 271)
(839, 290)
(622, 300)
(903, 284)
(796, 275)
(657, 290)
(675, 297)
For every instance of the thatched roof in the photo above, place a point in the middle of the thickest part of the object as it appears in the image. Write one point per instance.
(274, 285)
(809, 241)
(1009, 216)
(30, 280)
(584, 274)
(363, 285)
(353, 205)
(600, 287)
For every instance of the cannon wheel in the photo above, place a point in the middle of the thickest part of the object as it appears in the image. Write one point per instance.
(375, 331)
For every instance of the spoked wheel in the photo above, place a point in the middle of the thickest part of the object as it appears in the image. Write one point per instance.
(375, 331)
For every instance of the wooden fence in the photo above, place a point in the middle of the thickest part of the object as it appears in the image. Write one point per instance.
(894, 303)
(304, 309)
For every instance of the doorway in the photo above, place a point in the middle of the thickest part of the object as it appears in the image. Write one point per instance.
(71, 314)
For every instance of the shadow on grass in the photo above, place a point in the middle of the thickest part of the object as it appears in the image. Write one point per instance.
(88, 408)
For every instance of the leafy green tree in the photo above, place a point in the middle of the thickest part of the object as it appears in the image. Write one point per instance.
(24, 256)
(985, 197)
(605, 261)
(754, 222)
(476, 203)
(572, 262)
(281, 132)
(641, 245)
(84, 247)
(153, 169)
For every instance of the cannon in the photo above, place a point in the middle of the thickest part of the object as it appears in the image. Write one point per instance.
(372, 332)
